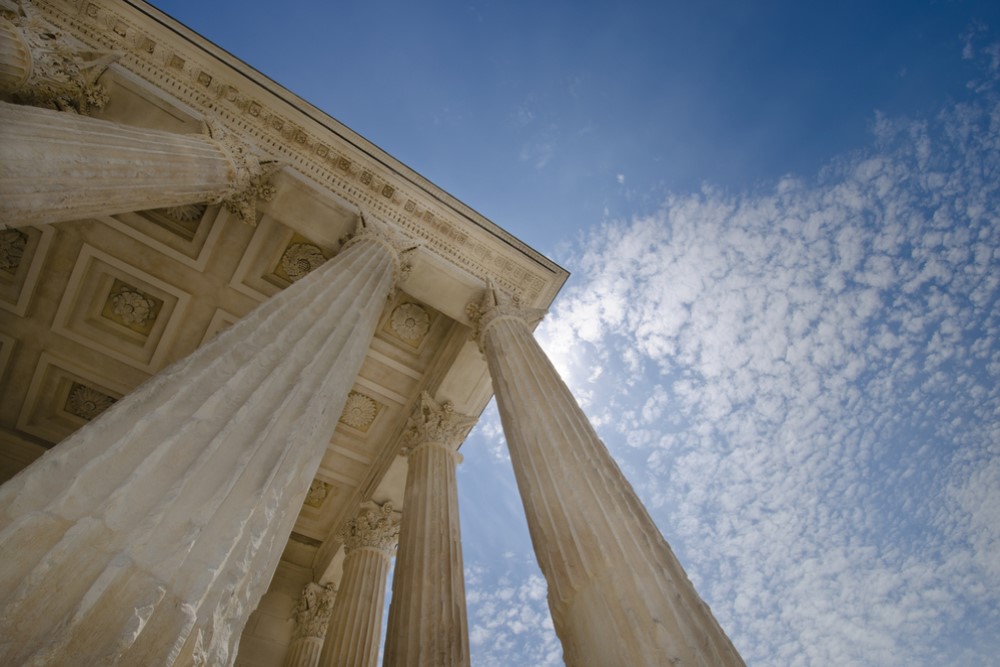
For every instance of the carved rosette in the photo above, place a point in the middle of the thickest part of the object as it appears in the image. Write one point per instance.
(61, 75)
(301, 258)
(131, 306)
(318, 491)
(185, 213)
(410, 322)
(312, 615)
(250, 179)
(359, 411)
(435, 423)
(12, 245)
(399, 245)
(86, 402)
(495, 305)
(372, 529)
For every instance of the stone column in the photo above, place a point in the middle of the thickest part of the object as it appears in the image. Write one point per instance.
(42, 66)
(59, 166)
(149, 535)
(617, 594)
(356, 624)
(427, 617)
(312, 615)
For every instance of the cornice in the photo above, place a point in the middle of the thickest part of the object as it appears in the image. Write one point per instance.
(190, 68)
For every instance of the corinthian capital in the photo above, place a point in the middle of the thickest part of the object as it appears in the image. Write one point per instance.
(369, 229)
(375, 529)
(56, 73)
(437, 423)
(495, 305)
(251, 175)
(312, 615)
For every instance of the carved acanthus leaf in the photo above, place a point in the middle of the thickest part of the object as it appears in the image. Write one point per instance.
(438, 423)
(63, 74)
(250, 179)
(312, 615)
(496, 304)
(375, 529)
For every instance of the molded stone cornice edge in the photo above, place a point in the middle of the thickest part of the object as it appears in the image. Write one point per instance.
(184, 70)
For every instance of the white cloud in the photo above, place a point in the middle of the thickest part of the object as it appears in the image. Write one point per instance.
(803, 384)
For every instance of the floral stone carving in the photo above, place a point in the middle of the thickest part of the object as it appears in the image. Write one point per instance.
(63, 75)
(312, 615)
(301, 258)
(86, 402)
(132, 306)
(433, 422)
(410, 322)
(374, 529)
(359, 411)
(12, 245)
(318, 492)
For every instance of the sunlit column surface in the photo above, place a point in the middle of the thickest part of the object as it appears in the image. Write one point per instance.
(149, 535)
(617, 594)
(62, 166)
(427, 618)
(356, 624)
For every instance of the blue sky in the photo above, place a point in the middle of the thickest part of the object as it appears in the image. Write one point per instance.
(782, 223)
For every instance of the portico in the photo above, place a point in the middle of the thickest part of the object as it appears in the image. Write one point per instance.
(240, 348)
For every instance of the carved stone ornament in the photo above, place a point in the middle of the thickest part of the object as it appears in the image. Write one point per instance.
(312, 614)
(433, 422)
(86, 402)
(63, 75)
(185, 213)
(495, 305)
(301, 258)
(12, 245)
(374, 529)
(410, 322)
(132, 306)
(318, 492)
(250, 178)
(400, 246)
(359, 411)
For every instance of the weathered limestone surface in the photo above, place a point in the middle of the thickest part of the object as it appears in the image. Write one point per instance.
(148, 536)
(617, 594)
(41, 66)
(312, 616)
(427, 617)
(60, 166)
(356, 624)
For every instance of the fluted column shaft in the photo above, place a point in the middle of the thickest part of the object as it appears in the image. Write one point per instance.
(60, 166)
(428, 622)
(15, 58)
(617, 594)
(352, 639)
(149, 535)
(304, 652)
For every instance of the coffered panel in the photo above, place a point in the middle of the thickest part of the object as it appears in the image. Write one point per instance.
(120, 310)
(22, 254)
